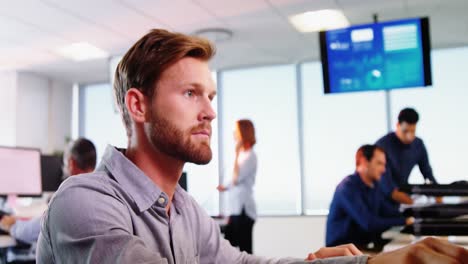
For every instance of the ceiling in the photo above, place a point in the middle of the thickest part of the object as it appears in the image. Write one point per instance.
(31, 30)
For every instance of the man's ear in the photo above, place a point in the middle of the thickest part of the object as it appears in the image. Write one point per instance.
(137, 105)
(71, 166)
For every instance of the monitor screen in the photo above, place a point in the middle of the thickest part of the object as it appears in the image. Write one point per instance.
(183, 181)
(378, 56)
(20, 171)
(51, 171)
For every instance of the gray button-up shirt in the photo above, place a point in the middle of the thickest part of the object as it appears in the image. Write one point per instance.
(117, 215)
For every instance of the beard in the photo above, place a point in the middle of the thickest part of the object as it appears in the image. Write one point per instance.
(176, 143)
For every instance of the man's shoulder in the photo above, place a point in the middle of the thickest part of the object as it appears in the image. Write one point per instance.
(94, 180)
(418, 141)
(85, 186)
(383, 141)
(348, 183)
(78, 196)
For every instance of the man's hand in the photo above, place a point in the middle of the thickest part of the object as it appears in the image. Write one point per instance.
(439, 199)
(7, 222)
(401, 197)
(429, 250)
(409, 220)
(339, 251)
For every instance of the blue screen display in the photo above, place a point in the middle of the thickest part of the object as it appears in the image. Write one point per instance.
(377, 56)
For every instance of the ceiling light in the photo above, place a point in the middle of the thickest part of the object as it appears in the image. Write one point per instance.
(82, 51)
(215, 35)
(313, 21)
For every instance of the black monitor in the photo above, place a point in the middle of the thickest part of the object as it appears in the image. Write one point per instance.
(20, 171)
(183, 181)
(51, 171)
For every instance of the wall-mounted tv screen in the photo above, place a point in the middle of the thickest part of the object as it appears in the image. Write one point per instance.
(378, 56)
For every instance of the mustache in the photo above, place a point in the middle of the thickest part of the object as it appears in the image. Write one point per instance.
(200, 127)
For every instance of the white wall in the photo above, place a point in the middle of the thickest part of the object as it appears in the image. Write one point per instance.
(32, 115)
(7, 108)
(35, 111)
(294, 236)
(60, 114)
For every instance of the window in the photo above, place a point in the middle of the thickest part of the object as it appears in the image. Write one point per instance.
(334, 127)
(267, 96)
(100, 119)
(442, 111)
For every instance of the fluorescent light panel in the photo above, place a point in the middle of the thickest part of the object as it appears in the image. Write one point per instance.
(82, 51)
(313, 21)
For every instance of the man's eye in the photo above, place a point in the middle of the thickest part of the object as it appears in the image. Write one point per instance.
(189, 93)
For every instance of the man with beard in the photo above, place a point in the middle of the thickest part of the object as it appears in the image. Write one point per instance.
(131, 209)
(358, 213)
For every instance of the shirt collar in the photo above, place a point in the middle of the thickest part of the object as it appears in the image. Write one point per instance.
(134, 181)
(358, 179)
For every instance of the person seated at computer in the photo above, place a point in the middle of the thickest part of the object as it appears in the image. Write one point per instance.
(79, 158)
(404, 151)
(358, 213)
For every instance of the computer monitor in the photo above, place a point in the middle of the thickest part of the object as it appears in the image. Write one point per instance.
(183, 181)
(20, 171)
(51, 171)
(377, 56)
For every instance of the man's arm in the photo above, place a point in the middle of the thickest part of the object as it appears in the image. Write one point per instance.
(401, 197)
(88, 223)
(215, 249)
(356, 208)
(424, 166)
(26, 230)
(390, 189)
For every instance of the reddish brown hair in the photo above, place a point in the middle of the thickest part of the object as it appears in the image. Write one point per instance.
(247, 131)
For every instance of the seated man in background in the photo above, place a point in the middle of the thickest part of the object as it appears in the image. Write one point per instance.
(358, 213)
(79, 158)
(404, 151)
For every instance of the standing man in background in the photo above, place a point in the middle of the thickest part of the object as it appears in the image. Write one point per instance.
(404, 151)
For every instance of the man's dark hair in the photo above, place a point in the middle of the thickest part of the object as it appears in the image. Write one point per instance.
(83, 152)
(367, 151)
(143, 65)
(408, 115)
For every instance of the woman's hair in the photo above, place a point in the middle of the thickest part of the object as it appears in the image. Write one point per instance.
(247, 131)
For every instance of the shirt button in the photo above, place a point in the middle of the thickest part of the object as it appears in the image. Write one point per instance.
(161, 200)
